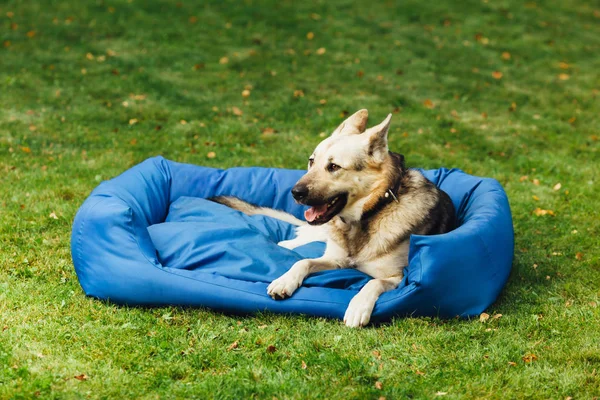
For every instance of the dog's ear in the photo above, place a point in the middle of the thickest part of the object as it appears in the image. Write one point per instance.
(354, 124)
(377, 143)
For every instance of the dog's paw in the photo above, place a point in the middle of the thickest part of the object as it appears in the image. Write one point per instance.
(288, 244)
(358, 312)
(283, 287)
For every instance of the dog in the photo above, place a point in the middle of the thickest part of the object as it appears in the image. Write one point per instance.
(365, 204)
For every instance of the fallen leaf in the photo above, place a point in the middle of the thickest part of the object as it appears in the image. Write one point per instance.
(441, 393)
(428, 103)
(497, 75)
(10, 14)
(539, 212)
(579, 256)
(303, 365)
(512, 363)
(310, 36)
(237, 111)
(133, 121)
(83, 71)
(233, 345)
(31, 34)
(536, 182)
(25, 149)
(53, 215)
(193, 19)
(419, 372)
(378, 385)
(271, 349)
(360, 73)
(496, 316)
(484, 317)
(262, 326)
(377, 354)
(32, 128)
(183, 122)
(523, 178)
(563, 65)
(82, 377)
(298, 93)
(323, 101)
(198, 66)
(6, 43)
(321, 50)
(506, 55)
(564, 77)
(529, 358)
(268, 131)
(211, 154)
(245, 93)
(535, 198)
(557, 187)
(223, 60)
(89, 56)
(111, 53)
(513, 106)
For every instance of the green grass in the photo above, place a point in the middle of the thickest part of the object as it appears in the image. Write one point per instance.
(71, 89)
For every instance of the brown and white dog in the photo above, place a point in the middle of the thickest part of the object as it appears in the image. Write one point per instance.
(365, 204)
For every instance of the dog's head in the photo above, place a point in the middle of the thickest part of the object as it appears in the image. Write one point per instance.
(344, 170)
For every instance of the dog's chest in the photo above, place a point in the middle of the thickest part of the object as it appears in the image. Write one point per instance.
(355, 240)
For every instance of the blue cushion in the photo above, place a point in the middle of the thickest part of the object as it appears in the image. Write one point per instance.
(149, 237)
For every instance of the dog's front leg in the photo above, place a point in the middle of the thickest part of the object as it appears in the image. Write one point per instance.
(361, 306)
(287, 283)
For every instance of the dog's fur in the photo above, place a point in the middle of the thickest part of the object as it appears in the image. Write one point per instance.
(365, 204)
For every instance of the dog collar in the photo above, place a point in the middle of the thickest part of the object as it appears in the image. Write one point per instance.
(388, 196)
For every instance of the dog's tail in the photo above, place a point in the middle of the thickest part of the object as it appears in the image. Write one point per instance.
(251, 209)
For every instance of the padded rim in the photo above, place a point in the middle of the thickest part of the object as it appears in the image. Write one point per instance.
(115, 259)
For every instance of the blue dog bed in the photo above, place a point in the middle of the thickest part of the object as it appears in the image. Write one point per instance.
(148, 237)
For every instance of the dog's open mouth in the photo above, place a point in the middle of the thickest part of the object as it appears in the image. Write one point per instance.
(322, 213)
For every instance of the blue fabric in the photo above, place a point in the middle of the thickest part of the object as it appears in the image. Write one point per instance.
(149, 237)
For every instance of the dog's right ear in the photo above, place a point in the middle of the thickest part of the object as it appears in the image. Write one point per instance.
(354, 124)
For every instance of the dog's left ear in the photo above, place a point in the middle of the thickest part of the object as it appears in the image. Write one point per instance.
(377, 139)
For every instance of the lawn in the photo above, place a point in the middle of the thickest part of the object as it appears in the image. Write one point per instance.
(505, 89)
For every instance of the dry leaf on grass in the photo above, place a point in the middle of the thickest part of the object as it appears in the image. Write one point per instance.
(53, 215)
(378, 385)
(484, 317)
(497, 75)
(579, 256)
(82, 377)
(245, 93)
(211, 154)
(303, 365)
(506, 55)
(563, 77)
(539, 212)
(310, 36)
(237, 111)
(233, 345)
(529, 358)
(557, 187)
(428, 103)
(271, 349)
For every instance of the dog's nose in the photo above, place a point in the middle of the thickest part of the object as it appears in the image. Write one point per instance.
(300, 192)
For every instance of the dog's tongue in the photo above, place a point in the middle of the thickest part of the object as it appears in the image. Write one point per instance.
(312, 213)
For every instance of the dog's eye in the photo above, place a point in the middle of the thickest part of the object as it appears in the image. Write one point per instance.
(311, 161)
(333, 167)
